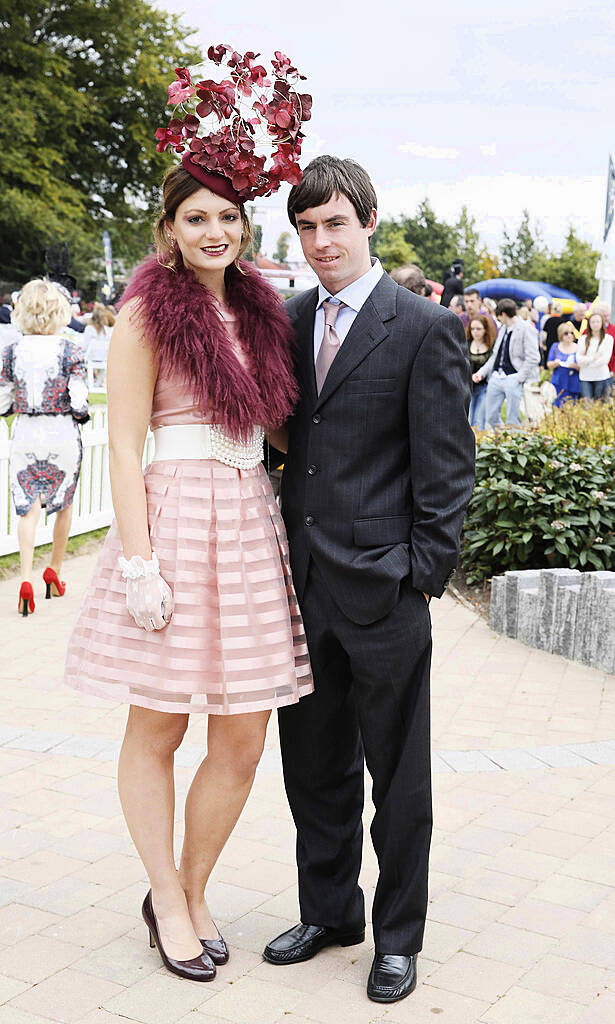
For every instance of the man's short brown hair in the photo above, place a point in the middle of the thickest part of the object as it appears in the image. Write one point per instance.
(327, 176)
(506, 306)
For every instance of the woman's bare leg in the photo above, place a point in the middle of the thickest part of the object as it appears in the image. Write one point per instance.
(147, 793)
(26, 532)
(215, 800)
(61, 531)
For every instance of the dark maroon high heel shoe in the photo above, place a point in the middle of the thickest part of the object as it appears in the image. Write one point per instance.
(200, 968)
(216, 949)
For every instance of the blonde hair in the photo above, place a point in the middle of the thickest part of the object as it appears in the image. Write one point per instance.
(41, 309)
(177, 186)
(101, 317)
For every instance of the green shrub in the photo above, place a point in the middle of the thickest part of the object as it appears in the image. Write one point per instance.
(590, 423)
(539, 502)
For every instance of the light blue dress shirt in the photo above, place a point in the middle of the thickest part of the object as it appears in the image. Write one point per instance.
(354, 296)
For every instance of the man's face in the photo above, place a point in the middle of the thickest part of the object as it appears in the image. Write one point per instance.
(472, 304)
(334, 242)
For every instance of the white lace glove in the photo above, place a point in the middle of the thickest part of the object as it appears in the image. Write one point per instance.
(149, 598)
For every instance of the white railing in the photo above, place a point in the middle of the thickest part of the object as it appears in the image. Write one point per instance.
(92, 506)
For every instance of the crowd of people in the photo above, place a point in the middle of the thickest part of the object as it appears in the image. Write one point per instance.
(509, 343)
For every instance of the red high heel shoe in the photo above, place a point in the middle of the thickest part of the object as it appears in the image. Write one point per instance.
(54, 585)
(25, 603)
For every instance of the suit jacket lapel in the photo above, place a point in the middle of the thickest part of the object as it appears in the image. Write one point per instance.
(303, 325)
(368, 330)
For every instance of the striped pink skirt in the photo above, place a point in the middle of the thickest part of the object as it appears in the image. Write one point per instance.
(236, 642)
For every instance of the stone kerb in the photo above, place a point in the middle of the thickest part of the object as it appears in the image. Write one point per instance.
(562, 611)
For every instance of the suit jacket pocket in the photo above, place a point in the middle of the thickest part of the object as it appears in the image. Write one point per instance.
(374, 533)
(361, 386)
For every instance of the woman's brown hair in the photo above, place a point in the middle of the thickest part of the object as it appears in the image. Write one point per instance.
(588, 333)
(488, 324)
(177, 186)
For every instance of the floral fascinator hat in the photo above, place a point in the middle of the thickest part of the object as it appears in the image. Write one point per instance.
(225, 129)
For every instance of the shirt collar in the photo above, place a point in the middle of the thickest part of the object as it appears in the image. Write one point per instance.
(357, 292)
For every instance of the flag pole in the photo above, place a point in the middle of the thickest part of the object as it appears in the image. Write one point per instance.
(605, 270)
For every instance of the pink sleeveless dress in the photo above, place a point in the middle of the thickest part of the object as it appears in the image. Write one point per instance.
(236, 642)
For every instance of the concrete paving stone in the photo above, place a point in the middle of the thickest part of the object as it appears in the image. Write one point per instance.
(428, 1004)
(467, 912)
(601, 1010)
(547, 840)
(571, 892)
(83, 784)
(336, 1001)
(558, 757)
(514, 760)
(285, 905)
(11, 987)
(438, 764)
(37, 740)
(11, 1015)
(509, 820)
(41, 868)
(525, 863)
(452, 860)
(522, 1005)
(442, 941)
(37, 957)
(495, 886)
(263, 875)
(309, 976)
(159, 999)
(483, 840)
(17, 922)
(475, 976)
(66, 896)
(603, 917)
(89, 845)
(125, 961)
(66, 997)
(592, 865)
(468, 761)
(82, 746)
(589, 946)
(510, 945)
(116, 871)
(17, 843)
(543, 917)
(100, 1016)
(91, 928)
(8, 734)
(254, 1001)
(11, 891)
(253, 931)
(554, 976)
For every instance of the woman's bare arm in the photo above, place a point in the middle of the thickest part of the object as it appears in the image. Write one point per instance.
(131, 376)
(279, 438)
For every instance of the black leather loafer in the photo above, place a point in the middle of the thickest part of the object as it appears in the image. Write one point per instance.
(391, 977)
(306, 940)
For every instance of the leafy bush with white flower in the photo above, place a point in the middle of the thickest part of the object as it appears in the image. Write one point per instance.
(539, 502)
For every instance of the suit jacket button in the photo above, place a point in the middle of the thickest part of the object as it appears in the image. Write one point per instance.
(312, 470)
(309, 520)
(316, 418)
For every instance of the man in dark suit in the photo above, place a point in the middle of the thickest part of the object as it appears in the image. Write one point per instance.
(380, 468)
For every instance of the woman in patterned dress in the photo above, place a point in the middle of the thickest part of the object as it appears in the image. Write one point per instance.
(43, 380)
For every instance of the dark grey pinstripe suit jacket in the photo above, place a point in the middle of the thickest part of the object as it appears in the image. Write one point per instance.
(380, 466)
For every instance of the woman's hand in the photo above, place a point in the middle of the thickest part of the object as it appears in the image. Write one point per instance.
(553, 364)
(149, 598)
(477, 377)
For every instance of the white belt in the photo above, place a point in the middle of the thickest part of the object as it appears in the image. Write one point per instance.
(207, 441)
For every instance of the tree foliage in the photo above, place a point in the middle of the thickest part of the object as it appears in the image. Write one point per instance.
(283, 244)
(434, 244)
(84, 85)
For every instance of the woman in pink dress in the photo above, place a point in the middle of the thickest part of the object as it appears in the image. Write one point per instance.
(191, 607)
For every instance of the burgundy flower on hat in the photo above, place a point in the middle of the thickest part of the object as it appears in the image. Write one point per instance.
(223, 126)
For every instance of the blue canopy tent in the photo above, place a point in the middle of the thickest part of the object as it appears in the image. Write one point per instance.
(512, 288)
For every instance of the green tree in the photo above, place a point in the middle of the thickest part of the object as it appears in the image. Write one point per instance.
(574, 267)
(468, 245)
(281, 251)
(522, 254)
(433, 240)
(257, 240)
(84, 86)
(389, 244)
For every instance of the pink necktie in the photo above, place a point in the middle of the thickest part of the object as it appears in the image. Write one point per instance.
(330, 344)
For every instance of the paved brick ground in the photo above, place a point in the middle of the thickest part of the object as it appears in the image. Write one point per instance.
(521, 923)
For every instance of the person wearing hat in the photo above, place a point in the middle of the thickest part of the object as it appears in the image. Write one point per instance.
(191, 608)
(453, 283)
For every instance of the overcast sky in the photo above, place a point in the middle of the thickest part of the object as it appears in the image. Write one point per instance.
(496, 105)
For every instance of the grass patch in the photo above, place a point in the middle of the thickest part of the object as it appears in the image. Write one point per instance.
(82, 544)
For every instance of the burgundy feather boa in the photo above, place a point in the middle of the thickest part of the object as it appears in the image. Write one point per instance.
(181, 321)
